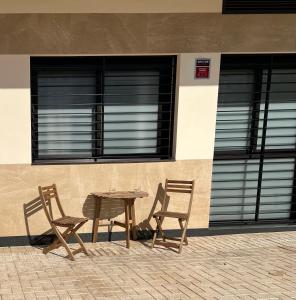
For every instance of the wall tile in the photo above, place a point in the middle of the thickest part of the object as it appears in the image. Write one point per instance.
(184, 33)
(145, 33)
(18, 188)
(261, 33)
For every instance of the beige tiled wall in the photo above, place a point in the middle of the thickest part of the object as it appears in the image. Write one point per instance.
(145, 33)
(18, 187)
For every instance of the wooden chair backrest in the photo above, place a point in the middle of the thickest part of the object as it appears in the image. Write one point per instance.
(181, 186)
(47, 193)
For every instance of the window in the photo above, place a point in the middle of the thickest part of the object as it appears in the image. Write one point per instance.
(254, 162)
(102, 108)
(258, 6)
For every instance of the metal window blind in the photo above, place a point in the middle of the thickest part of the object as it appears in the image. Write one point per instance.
(258, 6)
(100, 108)
(254, 161)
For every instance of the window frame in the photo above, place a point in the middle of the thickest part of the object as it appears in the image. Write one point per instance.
(37, 61)
(263, 7)
(259, 62)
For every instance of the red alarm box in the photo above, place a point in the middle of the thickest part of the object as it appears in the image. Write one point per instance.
(202, 68)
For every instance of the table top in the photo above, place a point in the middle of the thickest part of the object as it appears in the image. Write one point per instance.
(121, 194)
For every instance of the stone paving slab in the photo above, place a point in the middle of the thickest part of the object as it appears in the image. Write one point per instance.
(245, 266)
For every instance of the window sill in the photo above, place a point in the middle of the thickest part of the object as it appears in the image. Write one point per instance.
(100, 161)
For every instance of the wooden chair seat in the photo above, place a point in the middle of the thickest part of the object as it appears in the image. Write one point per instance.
(68, 221)
(171, 214)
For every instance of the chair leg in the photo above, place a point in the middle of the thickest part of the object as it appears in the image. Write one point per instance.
(110, 226)
(158, 228)
(159, 224)
(63, 242)
(74, 233)
(95, 230)
(183, 236)
(154, 237)
(56, 243)
(96, 221)
(133, 219)
(80, 243)
(182, 228)
(127, 224)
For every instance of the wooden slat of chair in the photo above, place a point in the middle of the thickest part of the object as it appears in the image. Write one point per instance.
(72, 224)
(174, 186)
(180, 181)
(171, 214)
(179, 186)
(169, 190)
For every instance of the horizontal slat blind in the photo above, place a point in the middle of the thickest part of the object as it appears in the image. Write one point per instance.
(135, 112)
(281, 128)
(236, 92)
(64, 119)
(254, 161)
(258, 6)
(235, 184)
(277, 189)
(234, 189)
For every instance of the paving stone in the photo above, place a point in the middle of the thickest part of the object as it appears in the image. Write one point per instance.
(244, 266)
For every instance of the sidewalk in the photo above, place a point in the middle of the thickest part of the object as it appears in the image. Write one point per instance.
(246, 266)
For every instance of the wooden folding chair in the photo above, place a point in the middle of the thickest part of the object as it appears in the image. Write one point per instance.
(72, 224)
(174, 186)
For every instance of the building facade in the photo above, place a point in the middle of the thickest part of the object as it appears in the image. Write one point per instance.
(97, 95)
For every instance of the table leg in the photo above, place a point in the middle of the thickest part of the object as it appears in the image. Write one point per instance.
(127, 223)
(110, 230)
(133, 218)
(96, 221)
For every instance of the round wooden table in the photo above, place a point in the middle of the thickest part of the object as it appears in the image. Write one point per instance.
(128, 197)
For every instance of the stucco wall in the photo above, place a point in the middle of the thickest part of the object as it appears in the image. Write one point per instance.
(197, 106)
(194, 138)
(15, 110)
